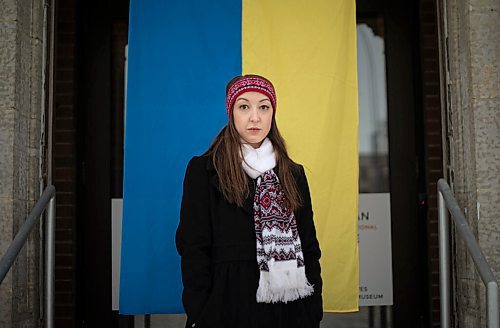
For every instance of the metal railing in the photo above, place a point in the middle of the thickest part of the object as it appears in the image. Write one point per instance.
(447, 200)
(48, 198)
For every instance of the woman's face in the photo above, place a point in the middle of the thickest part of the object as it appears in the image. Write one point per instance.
(253, 114)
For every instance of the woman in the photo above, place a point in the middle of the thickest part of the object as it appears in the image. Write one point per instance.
(249, 253)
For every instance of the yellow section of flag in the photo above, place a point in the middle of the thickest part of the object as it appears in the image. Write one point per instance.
(308, 50)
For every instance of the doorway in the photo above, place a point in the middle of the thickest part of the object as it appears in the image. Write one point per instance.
(102, 35)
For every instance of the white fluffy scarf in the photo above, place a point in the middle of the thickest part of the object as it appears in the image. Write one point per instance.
(279, 251)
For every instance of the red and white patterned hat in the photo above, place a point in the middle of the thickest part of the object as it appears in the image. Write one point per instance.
(249, 83)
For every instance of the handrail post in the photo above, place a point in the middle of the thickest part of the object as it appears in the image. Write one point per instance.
(46, 203)
(50, 230)
(444, 262)
(492, 304)
(447, 202)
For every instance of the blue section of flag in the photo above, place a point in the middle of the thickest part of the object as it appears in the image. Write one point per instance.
(181, 55)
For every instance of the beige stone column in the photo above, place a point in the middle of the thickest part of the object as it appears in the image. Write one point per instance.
(473, 54)
(21, 64)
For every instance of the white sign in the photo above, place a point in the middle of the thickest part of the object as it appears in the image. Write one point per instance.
(375, 257)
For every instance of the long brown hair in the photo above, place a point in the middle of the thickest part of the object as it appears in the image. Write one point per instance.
(225, 152)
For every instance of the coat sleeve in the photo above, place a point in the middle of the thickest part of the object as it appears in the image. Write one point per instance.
(194, 239)
(310, 246)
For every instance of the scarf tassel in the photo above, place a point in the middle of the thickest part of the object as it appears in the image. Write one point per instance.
(284, 282)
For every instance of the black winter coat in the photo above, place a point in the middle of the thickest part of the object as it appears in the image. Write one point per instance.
(217, 244)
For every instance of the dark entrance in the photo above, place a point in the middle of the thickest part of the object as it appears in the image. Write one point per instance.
(101, 34)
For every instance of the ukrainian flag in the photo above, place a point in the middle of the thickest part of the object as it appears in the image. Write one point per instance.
(181, 55)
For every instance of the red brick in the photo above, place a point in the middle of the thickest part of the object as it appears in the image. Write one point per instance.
(68, 4)
(62, 136)
(433, 239)
(63, 174)
(436, 315)
(433, 226)
(66, 161)
(65, 221)
(429, 53)
(62, 309)
(66, 74)
(64, 63)
(432, 100)
(434, 115)
(431, 88)
(63, 87)
(66, 322)
(65, 273)
(67, 50)
(63, 297)
(66, 38)
(431, 202)
(434, 176)
(63, 247)
(434, 252)
(428, 5)
(64, 149)
(65, 197)
(66, 15)
(65, 186)
(434, 162)
(63, 110)
(434, 152)
(431, 64)
(65, 234)
(428, 28)
(429, 17)
(66, 26)
(431, 76)
(64, 260)
(433, 125)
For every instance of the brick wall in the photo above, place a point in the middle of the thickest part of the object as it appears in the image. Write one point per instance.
(64, 162)
(433, 143)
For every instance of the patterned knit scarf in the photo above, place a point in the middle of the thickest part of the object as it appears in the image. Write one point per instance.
(279, 252)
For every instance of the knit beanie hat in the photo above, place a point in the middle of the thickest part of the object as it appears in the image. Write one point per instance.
(248, 83)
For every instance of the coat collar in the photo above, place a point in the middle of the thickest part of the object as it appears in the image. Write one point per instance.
(214, 180)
